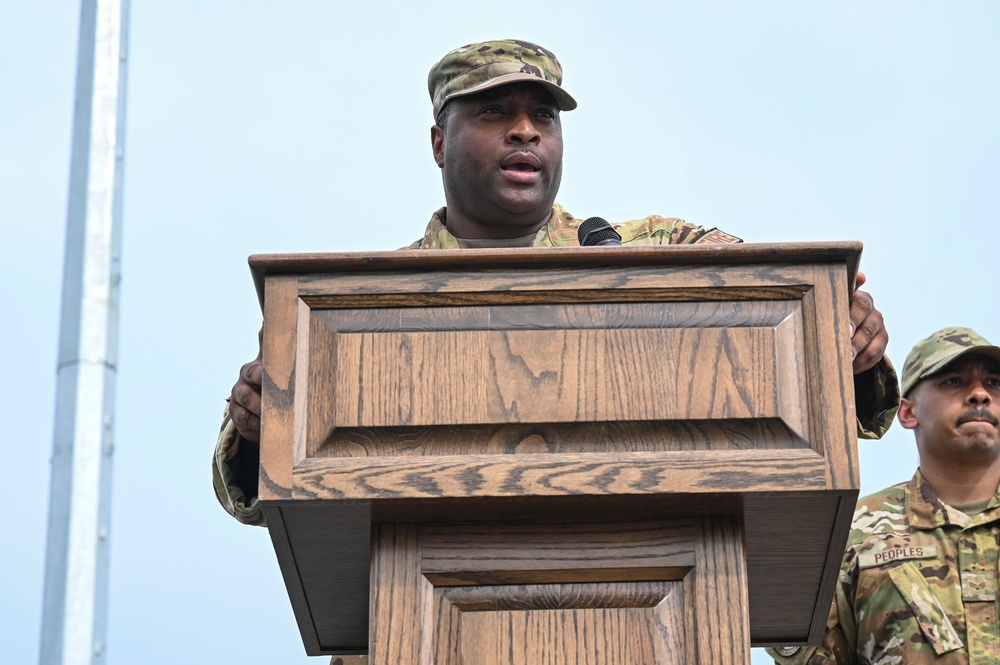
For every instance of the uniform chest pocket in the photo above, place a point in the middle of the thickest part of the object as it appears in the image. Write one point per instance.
(931, 617)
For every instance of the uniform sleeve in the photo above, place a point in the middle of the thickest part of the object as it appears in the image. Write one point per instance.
(685, 233)
(657, 230)
(230, 495)
(876, 399)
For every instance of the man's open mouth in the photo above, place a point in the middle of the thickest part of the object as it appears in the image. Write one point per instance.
(520, 166)
(523, 162)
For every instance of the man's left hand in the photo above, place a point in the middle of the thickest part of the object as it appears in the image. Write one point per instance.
(868, 335)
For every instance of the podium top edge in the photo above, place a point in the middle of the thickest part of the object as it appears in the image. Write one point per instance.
(848, 252)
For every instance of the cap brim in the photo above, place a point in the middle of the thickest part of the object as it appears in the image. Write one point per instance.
(988, 351)
(564, 100)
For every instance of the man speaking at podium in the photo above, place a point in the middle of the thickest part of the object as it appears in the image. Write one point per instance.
(498, 141)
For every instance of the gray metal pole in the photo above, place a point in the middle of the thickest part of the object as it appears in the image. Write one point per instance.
(74, 611)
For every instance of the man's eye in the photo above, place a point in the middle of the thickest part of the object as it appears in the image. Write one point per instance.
(546, 113)
(489, 110)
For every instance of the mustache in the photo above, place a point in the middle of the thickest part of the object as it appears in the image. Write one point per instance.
(979, 413)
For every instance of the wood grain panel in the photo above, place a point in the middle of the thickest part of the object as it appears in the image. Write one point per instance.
(533, 553)
(326, 568)
(717, 618)
(459, 378)
(292, 576)
(559, 438)
(565, 258)
(832, 350)
(398, 592)
(840, 528)
(321, 385)
(410, 379)
(790, 374)
(603, 636)
(277, 421)
(521, 375)
(547, 475)
(302, 346)
(652, 622)
(664, 314)
(541, 297)
(779, 567)
(698, 282)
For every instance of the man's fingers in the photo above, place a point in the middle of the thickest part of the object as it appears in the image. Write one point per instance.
(244, 401)
(869, 356)
(858, 283)
(247, 423)
(868, 335)
(862, 306)
(246, 396)
(252, 373)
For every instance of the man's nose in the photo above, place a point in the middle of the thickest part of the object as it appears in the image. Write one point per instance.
(523, 130)
(978, 394)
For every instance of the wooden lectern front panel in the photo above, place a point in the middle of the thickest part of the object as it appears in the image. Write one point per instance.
(598, 624)
(485, 367)
(666, 370)
(658, 593)
(456, 401)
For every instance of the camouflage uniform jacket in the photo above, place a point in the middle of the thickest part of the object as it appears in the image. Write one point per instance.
(877, 400)
(560, 231)
(918, 584)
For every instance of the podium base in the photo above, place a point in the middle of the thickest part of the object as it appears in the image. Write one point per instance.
(657, 593)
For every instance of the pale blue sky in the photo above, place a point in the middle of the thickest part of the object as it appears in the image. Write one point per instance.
(303, 126)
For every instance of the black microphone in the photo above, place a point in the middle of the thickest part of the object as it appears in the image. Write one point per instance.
(596, 231)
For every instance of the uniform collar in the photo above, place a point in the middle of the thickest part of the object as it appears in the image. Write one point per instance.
(924, 510)
(559, 231)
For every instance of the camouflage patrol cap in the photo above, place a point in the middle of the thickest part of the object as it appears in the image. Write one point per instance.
(931, 354)
(476, 67)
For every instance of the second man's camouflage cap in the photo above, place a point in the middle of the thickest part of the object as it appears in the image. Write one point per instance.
(476, 67)
(932, 354)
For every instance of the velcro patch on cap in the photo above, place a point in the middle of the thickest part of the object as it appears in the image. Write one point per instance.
(894, 554)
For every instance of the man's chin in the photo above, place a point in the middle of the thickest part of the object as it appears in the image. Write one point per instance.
(982, 444)
(515, 223)
(526, 206)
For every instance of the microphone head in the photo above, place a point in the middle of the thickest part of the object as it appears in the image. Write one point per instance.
(596, 231)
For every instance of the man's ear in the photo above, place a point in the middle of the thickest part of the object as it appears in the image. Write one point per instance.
(907, 415)
(437, 144)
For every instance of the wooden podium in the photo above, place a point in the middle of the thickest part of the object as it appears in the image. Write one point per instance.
(600, 456)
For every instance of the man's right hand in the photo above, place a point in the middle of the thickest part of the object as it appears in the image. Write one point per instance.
(244, 402)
